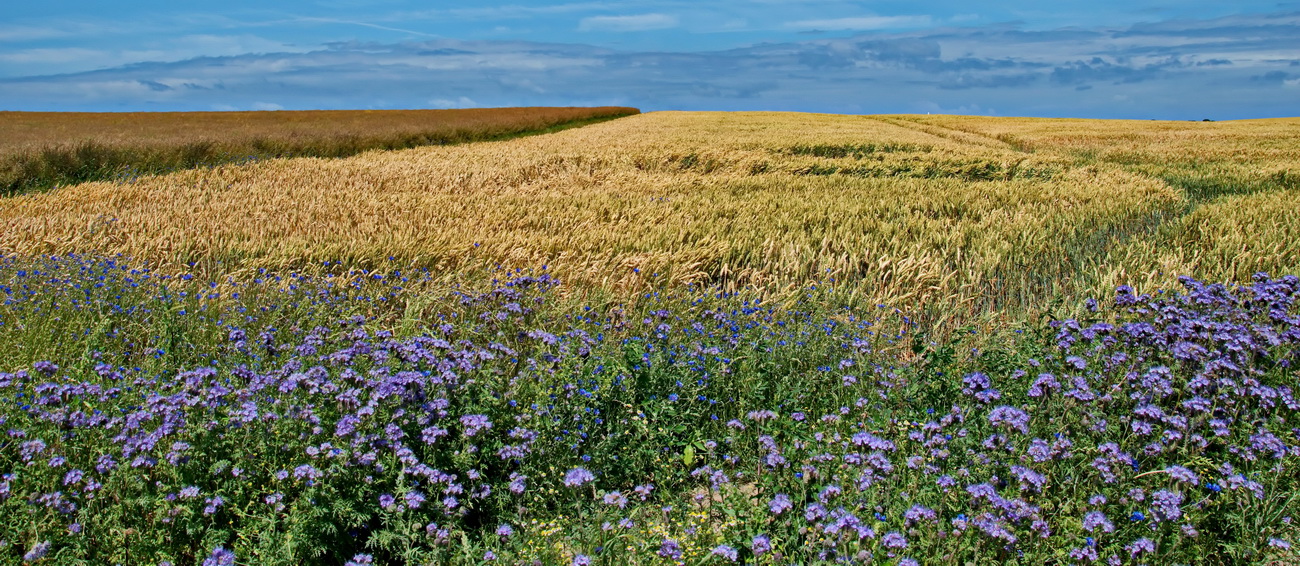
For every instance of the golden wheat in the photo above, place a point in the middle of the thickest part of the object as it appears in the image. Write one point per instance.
(959, 215)
(25, 131)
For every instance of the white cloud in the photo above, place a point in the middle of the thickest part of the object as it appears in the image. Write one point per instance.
(50, 55)
(364, 24)
(30, 33)
(1075, 72)
(641, 22)
(462, 102)
(863, 23)
(62, 60)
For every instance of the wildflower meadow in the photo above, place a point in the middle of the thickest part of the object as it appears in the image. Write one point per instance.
(158, 419)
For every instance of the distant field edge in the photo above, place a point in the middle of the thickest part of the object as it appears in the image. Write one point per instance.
(48, 150)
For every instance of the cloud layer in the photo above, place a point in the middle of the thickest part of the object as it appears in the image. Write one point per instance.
(1231, 67)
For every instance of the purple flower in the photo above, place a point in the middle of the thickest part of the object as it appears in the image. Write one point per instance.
(670, 549)
(616, 499)
(872, 441)
(1010, 417)
(1165, 505)
(220, 557)
(189, 492)
(212, 504)
(360, 560)
(581, 560)
(1085, 554)
(725, 551)
(1029, 479)
(413, 499)
(518, 483)
(387, 501)
(1043, 384)
(505, 530)
(475, 424)
(577, 477)
(761, 545)
(814, 512)
(1141, 546)
(1182, 474)
(893, 540)
(919, 513)
(1094, 520)
(40, 549)
(978, 385)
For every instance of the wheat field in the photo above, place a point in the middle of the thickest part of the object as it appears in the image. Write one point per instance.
(954, 215)
(45, 150)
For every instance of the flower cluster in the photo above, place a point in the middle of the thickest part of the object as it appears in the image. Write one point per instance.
(694, 427)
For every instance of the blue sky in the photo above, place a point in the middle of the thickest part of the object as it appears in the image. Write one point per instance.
(1110, 59)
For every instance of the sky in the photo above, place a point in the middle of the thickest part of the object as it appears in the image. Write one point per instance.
(1161, 59)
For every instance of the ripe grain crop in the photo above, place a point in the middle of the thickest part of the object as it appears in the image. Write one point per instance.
(957, 216)
(40, 150)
